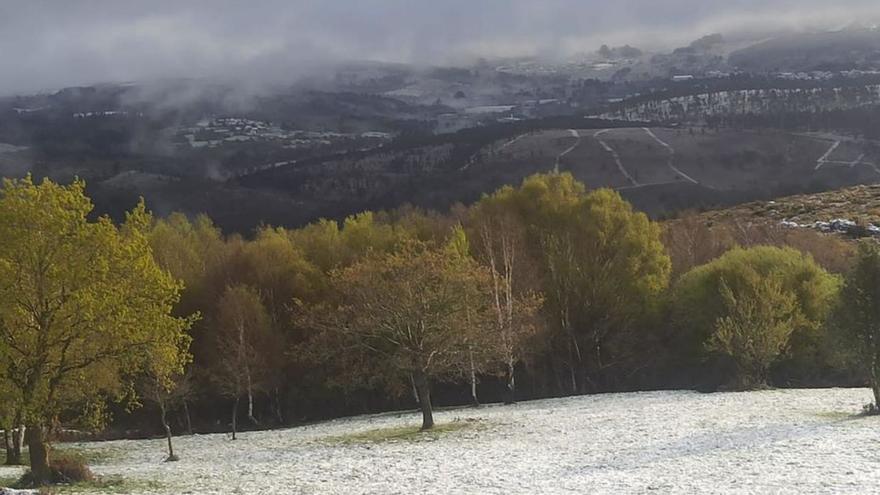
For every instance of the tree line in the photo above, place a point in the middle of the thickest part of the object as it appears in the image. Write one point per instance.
(541, 290)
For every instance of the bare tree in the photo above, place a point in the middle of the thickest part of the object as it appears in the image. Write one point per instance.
(167, 394)
(502, 250)
(242, 334)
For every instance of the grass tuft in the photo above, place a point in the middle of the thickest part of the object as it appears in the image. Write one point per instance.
(406, 433)
(837, 415)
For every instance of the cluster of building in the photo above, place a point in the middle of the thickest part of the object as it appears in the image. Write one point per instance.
(104, 113)
(212, 133)
(820, 75)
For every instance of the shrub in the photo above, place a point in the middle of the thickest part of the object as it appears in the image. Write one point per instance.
(66, 468)
(70, 468)
(751, 307)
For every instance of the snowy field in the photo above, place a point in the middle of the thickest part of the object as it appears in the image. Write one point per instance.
(780, 441)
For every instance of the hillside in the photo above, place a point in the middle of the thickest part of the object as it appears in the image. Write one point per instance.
(660, 170)
(857, 48)
(859, 204)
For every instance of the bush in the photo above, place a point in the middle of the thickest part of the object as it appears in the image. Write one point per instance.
(753, 308)
(870, 410)
(70, 468)
(66, 468)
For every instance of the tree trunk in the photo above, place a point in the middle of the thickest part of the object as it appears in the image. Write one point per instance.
(38, 448)
(475, 401)
(250, 393)
(279, 410)
(875, 383)
(424, 389)
(13, 458)
(17, 442)
(510, 393)
(874, 386)
(572, 367)
(415, 390)
(13, 440)
(234, 416)
(187, 417)
(251, 408)
(167, 427)
(600, 379)
(7, 444)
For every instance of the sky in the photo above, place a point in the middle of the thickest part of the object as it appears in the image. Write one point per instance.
(48, 44)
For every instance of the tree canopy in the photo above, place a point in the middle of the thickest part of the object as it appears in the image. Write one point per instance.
(408, 314)
(749, 304)
(83, 306)
(601, 266)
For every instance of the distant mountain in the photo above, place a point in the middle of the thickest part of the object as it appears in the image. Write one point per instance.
(854, 48)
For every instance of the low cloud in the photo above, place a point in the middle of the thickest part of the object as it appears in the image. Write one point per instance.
(46, 44)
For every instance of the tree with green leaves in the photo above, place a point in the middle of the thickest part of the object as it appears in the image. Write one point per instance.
(189, 250)
(83, 307)
(411, 313)
(749, 304)
(856, 317)
(758, 319)
(602, 268)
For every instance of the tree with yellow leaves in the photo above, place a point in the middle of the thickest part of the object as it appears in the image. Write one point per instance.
(83, 307)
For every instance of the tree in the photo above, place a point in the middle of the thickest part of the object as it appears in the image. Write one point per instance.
(503, 250)
(280, 273)
(621, 270)
(401, 315)
(458, 246)
(748, 305)
(186, 249)
(759, 317)
(856, 317)
(164, 392)
(242, 337)
(81, 302)
(191, 251)
(602, 264)
(13, 431)
(693, 240)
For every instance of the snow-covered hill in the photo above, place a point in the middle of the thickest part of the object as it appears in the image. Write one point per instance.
(780, 441)
(740, 102)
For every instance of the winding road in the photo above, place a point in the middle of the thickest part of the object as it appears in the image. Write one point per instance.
(473, 158)
(824, 158)
(671, 150)
(574, 133)
(616, 157)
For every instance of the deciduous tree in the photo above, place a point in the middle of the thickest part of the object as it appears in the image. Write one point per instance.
(242, 338)
(405, 314)
(602, 264)
(748, 305)
(83, 306)
(502, 249)
(856, 317)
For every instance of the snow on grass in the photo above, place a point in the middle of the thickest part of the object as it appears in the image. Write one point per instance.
(778, 441)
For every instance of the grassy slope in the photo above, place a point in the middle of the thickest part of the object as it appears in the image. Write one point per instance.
(859, 203)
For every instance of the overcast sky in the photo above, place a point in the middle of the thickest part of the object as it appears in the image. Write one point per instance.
(47, 44)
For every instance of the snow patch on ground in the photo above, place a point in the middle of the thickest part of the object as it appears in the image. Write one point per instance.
(778, 441)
